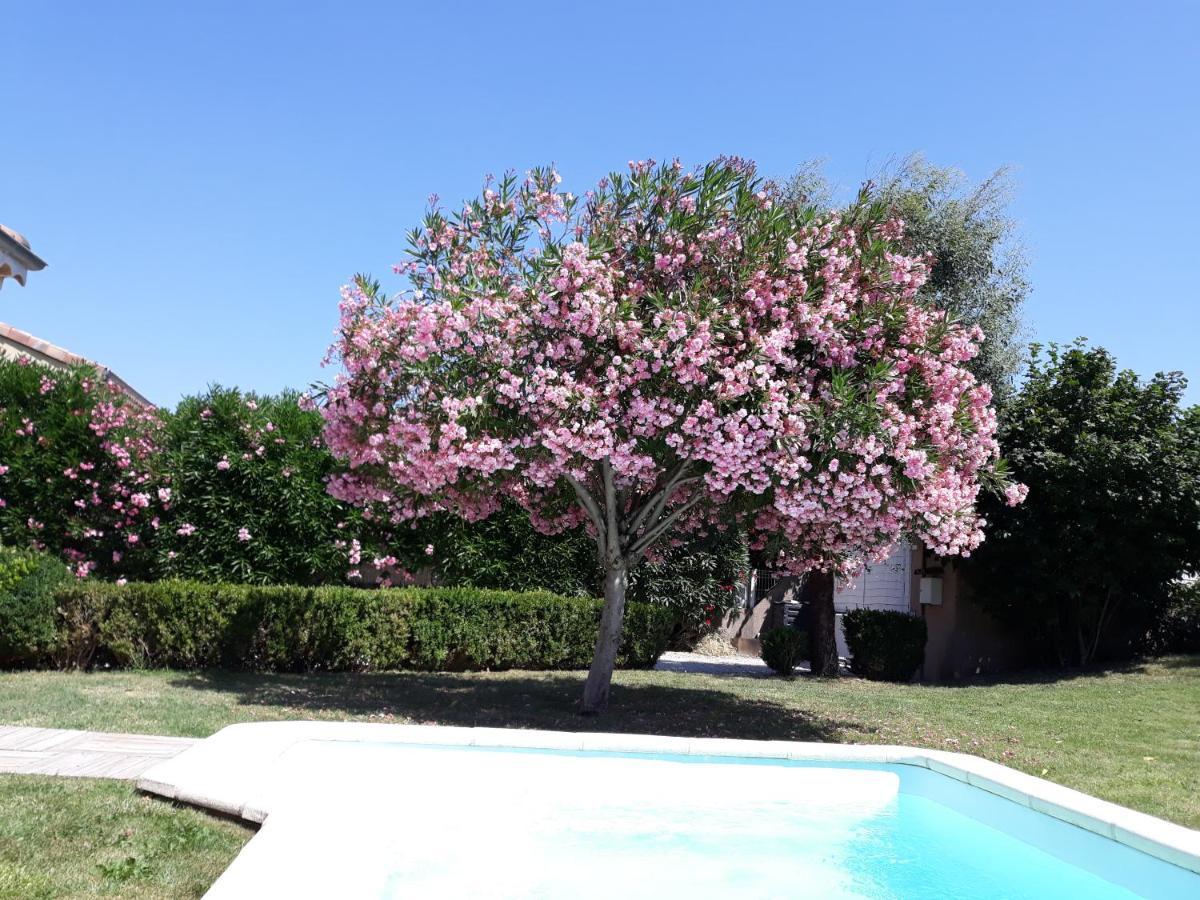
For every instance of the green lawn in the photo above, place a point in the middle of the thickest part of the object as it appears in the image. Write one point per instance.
(76, 837)
(1130, 735)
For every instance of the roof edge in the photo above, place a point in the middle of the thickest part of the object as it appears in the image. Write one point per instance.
(52, 353)
(19, 251)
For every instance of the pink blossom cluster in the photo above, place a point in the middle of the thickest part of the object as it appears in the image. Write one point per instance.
(758, 363)
(115, 497)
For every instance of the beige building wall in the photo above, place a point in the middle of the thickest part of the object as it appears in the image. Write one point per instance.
(963, 639)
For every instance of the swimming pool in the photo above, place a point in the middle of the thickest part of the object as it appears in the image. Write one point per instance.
(381, 818)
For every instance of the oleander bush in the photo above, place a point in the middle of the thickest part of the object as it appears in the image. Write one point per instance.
(79, 469)
(884, 645)
(248, 473)
(783, 649)
(28, 581)
(195, 625)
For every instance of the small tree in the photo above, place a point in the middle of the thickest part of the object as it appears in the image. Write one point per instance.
(678, 353)
(1113, 519)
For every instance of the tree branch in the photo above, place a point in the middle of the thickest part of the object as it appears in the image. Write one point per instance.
(655, 532)
(593, 511)
(610, 507)
(653, 507)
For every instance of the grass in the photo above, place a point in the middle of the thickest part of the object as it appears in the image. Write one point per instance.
(78, 838)
(1129, 735)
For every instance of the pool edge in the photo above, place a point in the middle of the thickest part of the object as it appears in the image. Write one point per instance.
(225, 771)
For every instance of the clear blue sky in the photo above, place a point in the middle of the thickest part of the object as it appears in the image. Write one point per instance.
(202, 177)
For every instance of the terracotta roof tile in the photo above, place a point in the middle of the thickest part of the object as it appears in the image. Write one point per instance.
(37, 347)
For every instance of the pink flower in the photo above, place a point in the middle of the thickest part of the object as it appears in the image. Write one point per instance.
(429, 549)
(186, 529)
(821, 406)
(243, 534)
(1015, 494)
(122, 581)
(223, 464)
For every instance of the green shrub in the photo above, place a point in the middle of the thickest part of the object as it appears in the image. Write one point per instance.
(28, 581)
(192, 625)
(783, 649)
(1081, 570)
(1178, 627)
(244, 461)
(884, 645)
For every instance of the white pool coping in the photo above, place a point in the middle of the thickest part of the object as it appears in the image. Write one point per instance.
(230, 771)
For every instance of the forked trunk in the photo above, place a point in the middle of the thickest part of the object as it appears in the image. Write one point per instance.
(608, 642)
(822, 642)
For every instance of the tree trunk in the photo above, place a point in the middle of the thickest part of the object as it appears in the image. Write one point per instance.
(822, 639)
(604, 660)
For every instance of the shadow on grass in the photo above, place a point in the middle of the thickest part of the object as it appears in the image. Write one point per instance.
(547, 700)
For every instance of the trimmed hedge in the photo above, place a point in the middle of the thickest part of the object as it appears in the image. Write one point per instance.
(884, 645)
(194, 625)
(28, 581)
(783, 649)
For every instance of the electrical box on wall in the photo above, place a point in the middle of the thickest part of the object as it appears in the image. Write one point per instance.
(931, 591)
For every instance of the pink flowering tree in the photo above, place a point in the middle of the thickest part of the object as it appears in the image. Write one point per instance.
(674, 352)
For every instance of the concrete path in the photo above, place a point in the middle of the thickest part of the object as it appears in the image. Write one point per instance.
(744, 666)
(84, 754)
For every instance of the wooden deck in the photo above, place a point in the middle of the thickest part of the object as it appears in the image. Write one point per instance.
(83, 754)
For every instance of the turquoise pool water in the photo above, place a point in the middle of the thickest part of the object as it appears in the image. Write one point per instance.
(467, 822)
